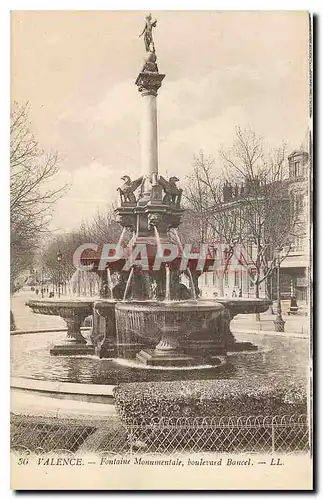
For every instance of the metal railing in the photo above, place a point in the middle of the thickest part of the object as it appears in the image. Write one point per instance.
(42, 434)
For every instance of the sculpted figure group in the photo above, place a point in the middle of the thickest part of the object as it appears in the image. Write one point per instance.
(172, 194)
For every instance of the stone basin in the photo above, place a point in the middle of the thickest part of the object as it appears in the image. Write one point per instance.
(181, 332)
(73, 312)
(240, 305)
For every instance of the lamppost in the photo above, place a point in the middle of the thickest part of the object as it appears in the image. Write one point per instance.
(279, 322)
(41, 282)
(59, 260)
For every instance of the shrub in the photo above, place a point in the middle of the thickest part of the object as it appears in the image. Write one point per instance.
(208, 398)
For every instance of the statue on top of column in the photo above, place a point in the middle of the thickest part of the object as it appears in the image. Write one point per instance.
(148, 33)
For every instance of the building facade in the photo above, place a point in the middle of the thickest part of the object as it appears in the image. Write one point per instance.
(295, 267)
(235, 278)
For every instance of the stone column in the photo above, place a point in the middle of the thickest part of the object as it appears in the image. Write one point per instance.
(149, 146)
(148, 82)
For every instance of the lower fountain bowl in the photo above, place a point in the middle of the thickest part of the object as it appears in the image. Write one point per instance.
(174, 333)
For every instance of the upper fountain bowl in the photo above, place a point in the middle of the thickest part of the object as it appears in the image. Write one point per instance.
(190, 327)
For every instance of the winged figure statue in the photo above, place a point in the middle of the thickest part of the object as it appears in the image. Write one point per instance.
(127, 189)
(172, 192)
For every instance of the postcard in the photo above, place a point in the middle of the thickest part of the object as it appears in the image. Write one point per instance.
(161, 250)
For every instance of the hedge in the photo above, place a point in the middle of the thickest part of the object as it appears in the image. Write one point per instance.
(208, 398)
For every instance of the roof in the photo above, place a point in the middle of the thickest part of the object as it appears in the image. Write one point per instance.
(297, 152)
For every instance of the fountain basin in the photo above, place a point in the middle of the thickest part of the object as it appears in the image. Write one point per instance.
(240, 305)
(104, 336)
(73, 312)
(179, 333)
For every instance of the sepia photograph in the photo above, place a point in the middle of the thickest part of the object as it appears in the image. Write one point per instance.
(161, 250)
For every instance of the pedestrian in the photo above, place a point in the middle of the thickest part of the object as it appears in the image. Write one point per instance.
(12, 322)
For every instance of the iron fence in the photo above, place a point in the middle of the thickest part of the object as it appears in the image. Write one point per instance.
(42, 434)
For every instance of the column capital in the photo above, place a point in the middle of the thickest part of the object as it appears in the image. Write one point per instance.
(148, 83)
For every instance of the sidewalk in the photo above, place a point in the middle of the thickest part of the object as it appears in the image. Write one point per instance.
(299, 324)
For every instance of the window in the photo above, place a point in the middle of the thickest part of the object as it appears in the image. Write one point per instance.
(226, 278)
(300, 202)
(298, 199)
(236, 277)
(297, 245)
(297, 172)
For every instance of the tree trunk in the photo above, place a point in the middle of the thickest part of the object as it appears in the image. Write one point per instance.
(268, 296)
(257, 297)
(221, 283)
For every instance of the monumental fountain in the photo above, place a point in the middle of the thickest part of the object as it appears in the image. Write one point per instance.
(146, 314)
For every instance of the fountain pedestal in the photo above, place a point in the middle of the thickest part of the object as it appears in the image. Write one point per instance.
(184, 333)
(73, 312)
(167, 351)
(104, 337)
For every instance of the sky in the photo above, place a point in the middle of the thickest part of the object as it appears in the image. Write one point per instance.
(78, 69)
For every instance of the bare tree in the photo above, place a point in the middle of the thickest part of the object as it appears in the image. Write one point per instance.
(198, 196)
(103, 227)
(265, 214)
(246, 207)
(31, 201)
(61, 271)
(216, 226)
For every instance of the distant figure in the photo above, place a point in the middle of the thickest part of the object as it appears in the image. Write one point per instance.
(51, 295)
(293, 308)
(37, 291)
(12, 322)
(240, 292)
(234, 293)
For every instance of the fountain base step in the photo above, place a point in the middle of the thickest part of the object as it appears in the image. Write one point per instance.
(241, 346)
(151, 357)
(72, 350)
(106, 352)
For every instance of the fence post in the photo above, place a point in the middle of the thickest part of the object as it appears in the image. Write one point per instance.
(272, 436)
(131, 441)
